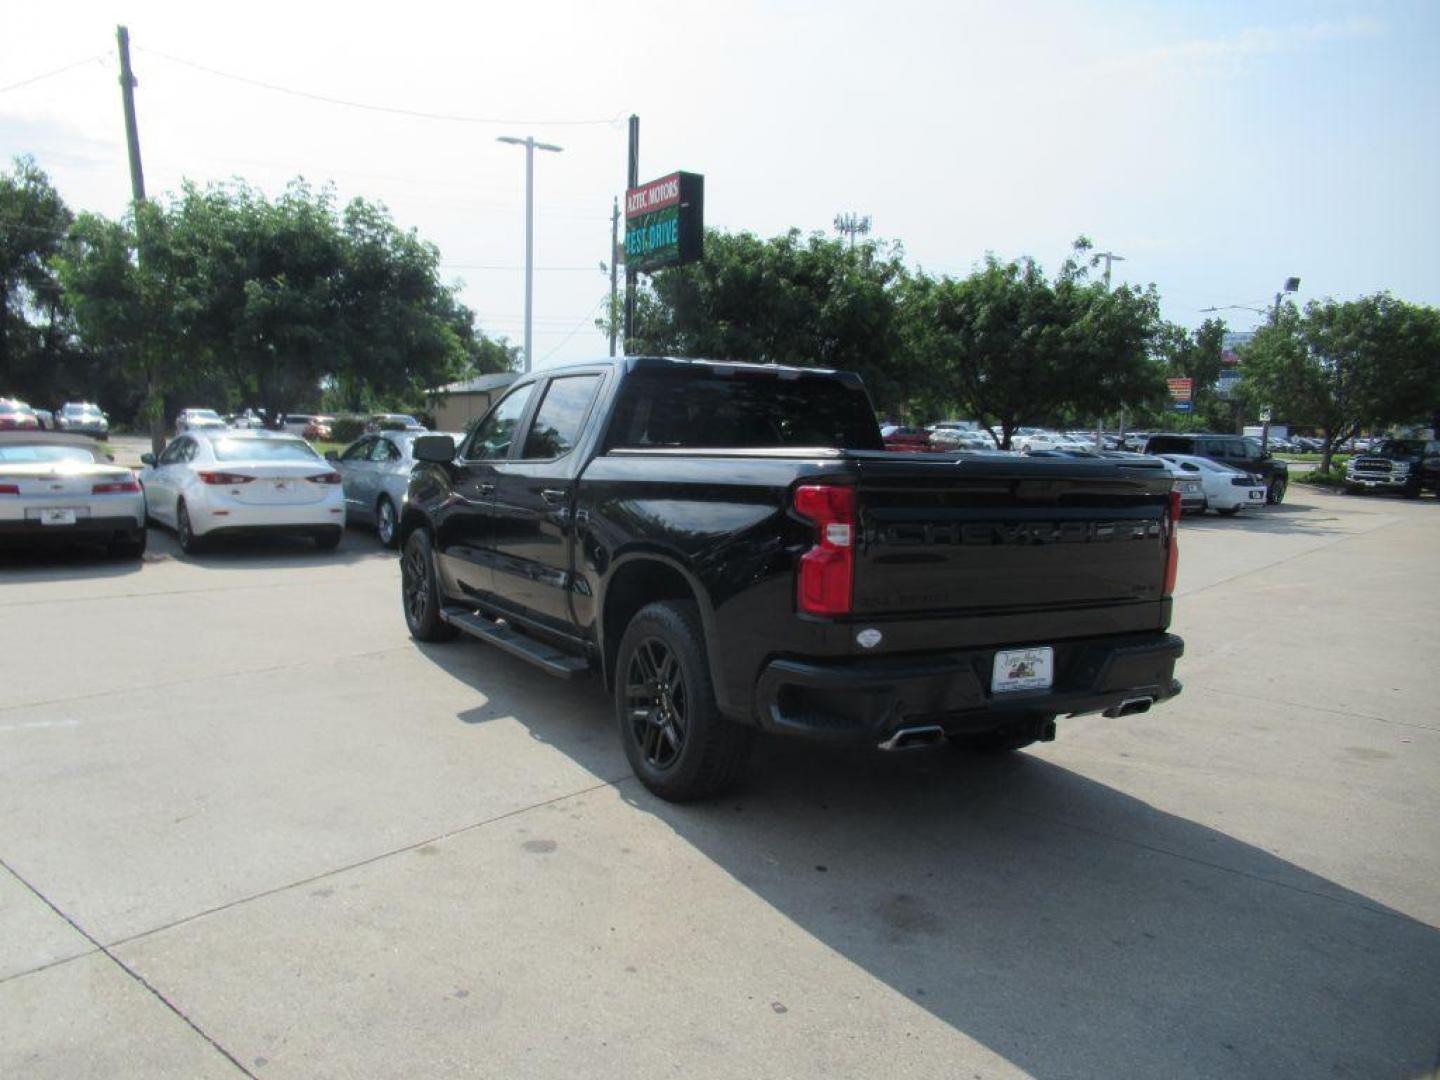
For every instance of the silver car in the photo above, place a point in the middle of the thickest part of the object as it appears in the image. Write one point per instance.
(82, 418)
(375, 470)
(58, 488)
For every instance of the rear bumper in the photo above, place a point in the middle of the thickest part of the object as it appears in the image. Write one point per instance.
(86, 529)
(868, 700)
(229, 517)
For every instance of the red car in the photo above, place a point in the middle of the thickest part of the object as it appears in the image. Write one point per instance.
(907, 439)
(17, 416)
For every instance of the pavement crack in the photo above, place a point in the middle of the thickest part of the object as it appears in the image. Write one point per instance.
(1315, 708)
(128, 970)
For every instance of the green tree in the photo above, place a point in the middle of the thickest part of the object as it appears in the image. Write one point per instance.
(1342, 365)
(805, 301)
(33, 224)
(1011, 346)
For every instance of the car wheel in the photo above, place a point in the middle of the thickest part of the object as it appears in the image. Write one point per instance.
(386, 527)
(132, 547)
(184, 532)
(679, 744)
(330, 539)
(1276, 495)
(1001, 740)
(420, 590)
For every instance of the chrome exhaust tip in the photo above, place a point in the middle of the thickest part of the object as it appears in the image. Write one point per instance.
(1130, 707)
(911, 738)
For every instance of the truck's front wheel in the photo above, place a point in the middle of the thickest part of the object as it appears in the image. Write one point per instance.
(420, 592)
(678, 743)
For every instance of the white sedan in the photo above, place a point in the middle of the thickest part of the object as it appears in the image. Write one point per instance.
(58, 488)
(226, 483)
(1227, 489)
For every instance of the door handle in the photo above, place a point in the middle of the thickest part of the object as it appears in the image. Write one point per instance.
(553, 496)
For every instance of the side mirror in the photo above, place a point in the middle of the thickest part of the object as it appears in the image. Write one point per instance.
(147, 459)
(437, 449)
(331, 455)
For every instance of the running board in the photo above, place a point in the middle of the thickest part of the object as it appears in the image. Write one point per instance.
(546, 657)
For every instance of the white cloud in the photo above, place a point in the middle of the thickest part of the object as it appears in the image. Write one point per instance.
(1223, 55)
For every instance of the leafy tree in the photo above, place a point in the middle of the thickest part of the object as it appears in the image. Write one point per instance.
(33, 224)
(1010, 346)
(805, 301)
(1344, 364)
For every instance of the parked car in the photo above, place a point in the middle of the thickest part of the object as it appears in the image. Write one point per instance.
(59, 488)
(1238, 450)
(198, 420)
(82, 418)
(907, 440)
(247, 420)
(209, 483)
(949, 438)
(1227, 489)
(318, 428)
(1404, 465)
(17, 416)
(375, 471)
(394, 422)
(723, 545)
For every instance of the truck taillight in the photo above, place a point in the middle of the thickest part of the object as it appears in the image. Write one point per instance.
(827, 570)
(1172, 544)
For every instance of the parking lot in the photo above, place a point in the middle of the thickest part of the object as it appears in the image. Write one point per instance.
(249, 827)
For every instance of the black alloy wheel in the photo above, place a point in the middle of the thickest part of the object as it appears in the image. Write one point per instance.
(656, 698)
(1276, 495)
(419, 593)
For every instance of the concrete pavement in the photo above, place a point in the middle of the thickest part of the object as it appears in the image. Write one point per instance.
(249, 827)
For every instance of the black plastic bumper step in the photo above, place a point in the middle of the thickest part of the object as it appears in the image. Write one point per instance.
(546, 657)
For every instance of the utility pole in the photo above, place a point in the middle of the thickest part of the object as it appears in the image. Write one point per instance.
(530, 147)
(632, 179)
(614, 270)
(132, 132)
(1292, 284)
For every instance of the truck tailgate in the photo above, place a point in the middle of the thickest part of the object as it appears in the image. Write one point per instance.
(976, 534)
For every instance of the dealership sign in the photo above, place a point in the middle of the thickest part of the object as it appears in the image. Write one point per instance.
(664, 222)
(1182, 393)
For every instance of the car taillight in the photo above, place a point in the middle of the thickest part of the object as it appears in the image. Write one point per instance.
(1172, 544)
(827, 570)
(115, 487)
(324, 478)
(221, 478)
(9, 489)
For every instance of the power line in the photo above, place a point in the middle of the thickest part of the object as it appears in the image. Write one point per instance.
(587, 317)
(52, 74)
(328, 100)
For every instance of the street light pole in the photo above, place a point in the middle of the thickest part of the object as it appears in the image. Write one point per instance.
(1109, 257)
(530, 147)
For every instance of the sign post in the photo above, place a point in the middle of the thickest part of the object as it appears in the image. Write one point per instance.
(664, 222)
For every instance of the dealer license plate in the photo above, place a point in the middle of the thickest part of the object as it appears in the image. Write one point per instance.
(57, 515)
(1256, 495)
(1023, 669)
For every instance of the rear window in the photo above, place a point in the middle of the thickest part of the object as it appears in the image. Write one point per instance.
(1170, 444)
(263, 450)
(29, 455)
(707, 407)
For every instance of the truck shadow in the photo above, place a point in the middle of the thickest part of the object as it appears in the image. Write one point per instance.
(1069, 927)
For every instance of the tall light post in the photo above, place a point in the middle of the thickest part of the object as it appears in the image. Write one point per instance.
(1292, 284)
(530, 147)
(1109, 257)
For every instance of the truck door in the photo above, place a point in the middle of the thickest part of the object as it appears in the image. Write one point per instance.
(533, 505)
(464, 535)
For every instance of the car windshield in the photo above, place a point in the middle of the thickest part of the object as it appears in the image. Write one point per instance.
(81, 410)
(1405, 447)
(32, 454)
(203, 414)
(263, 450)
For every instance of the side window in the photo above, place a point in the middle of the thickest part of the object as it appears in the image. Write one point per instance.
(171, 454)
(384, 450)
(186, 451)
(493, 437)
(357, 451)
(560, 416)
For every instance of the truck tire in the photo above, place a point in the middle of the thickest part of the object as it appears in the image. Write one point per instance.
(679, 744)
(420, 591)
(1000, 740)
(1276, 495)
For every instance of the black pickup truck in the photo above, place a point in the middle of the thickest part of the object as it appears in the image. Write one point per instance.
(731, 549)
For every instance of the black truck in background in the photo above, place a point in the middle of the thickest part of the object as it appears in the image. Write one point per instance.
(730, 549)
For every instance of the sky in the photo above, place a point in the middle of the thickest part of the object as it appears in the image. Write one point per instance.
(1219, 147)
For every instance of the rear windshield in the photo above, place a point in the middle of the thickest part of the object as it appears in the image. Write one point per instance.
(263, 450)
(1170, 444)
(28, 455)
(706, 407)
